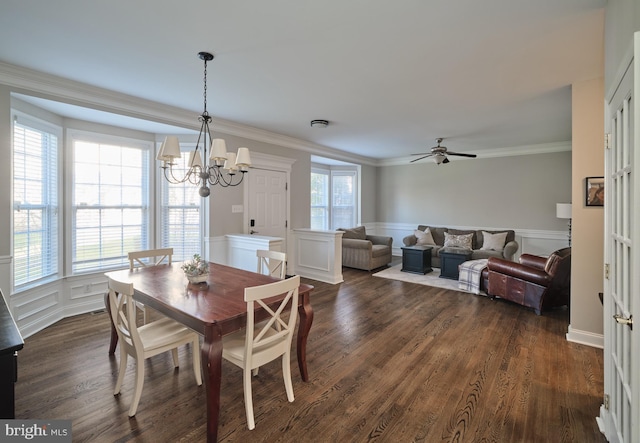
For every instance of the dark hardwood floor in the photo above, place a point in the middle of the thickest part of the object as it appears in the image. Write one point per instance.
(388, 362)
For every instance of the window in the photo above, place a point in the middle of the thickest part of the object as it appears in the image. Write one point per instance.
(180, 215)
(35, 201)
(110, 201)
(341, 210)
(319, 199)
(343, 204)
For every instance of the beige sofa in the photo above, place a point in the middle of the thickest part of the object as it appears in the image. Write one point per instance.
(362, 251)
(478, 247)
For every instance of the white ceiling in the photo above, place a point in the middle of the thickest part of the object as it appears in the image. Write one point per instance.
(389, 76)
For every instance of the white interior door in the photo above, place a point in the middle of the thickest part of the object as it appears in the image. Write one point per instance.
(268, 203)
(619, 413)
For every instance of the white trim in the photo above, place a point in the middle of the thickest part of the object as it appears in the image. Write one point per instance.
(585, 338)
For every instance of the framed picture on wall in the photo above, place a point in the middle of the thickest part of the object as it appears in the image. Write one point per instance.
(594, 191)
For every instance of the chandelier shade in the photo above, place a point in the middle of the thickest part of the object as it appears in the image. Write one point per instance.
(209, 164)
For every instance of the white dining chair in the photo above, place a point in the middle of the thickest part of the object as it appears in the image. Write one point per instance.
(146, 341)
(137, 260)
(265, 342)
(272, 263)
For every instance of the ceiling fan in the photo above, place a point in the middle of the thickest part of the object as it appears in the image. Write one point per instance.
(440, 153)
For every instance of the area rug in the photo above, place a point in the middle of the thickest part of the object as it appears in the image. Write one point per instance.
(430, 279)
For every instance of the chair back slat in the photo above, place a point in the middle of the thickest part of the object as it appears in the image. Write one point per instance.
(123, 312)
(276, 333)
(273, 263)
(158, 255)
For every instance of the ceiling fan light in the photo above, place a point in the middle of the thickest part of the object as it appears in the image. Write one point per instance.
(439, 158)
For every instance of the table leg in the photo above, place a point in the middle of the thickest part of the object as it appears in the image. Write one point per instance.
(114, 335)
(212, 370)
(305, 311)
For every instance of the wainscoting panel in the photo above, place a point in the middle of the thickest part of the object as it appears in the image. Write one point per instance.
(318, 255)
(241, 249)
(530, 241)
(38, 308)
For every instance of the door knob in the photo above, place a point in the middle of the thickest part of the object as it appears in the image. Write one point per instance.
(624, 320)
(253, 232)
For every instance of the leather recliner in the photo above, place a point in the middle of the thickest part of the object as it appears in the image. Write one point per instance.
(535, 282)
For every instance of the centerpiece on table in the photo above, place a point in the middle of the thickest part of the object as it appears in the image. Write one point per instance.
(196, 270)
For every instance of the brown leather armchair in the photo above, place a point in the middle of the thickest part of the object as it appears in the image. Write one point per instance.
(536, 282)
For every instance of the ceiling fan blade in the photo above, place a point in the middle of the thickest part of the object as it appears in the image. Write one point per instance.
(424, 156)
(446, 160)
(423, 153)
(461, 154)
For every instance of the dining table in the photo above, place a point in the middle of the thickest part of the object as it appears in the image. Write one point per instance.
(213, 308)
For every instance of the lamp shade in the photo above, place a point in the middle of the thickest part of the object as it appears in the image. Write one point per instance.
(563, 210)
(195, 159)
(169, 149)
(218, 149)
(243, 160)
(230, 164)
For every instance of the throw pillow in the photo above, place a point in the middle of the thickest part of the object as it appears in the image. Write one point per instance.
(424, 237)
(458, 241)
(358, 233)
(493, 242)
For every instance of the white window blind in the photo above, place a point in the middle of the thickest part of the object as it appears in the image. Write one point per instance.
(110, 202)
(180, 215)
(343, 203)
(319, 199)
(35, 202)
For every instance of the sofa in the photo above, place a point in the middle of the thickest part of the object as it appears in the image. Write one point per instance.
(482, 243)
(535, 282)
(363, 251)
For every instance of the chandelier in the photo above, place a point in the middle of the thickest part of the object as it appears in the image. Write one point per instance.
(219, 168)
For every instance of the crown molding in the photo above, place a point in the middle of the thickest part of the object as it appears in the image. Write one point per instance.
(51, 87)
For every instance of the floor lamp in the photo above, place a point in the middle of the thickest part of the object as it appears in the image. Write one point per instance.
(563, 210)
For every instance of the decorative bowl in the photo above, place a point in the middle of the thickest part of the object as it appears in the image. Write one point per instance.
(201, 278)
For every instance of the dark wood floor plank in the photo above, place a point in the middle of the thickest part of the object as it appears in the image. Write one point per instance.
(388, 361)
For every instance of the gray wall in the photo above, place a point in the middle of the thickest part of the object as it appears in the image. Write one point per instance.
(223, 221)
(368, 194)
(518, 192)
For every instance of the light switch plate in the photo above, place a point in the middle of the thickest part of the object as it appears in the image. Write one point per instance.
(236, 208)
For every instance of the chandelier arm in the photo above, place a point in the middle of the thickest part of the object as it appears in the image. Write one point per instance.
(224, 182)
(170, 177)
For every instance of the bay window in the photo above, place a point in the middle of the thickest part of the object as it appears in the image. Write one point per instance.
(109, 200)
(334, 197)
(180, 214)
(36, 215)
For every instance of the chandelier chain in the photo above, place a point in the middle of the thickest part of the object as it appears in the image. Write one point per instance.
(205, 88)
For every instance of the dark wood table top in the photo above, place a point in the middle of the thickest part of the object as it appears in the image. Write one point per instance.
(219, 300)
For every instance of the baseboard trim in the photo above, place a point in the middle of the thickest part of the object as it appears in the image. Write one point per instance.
(585, 338)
